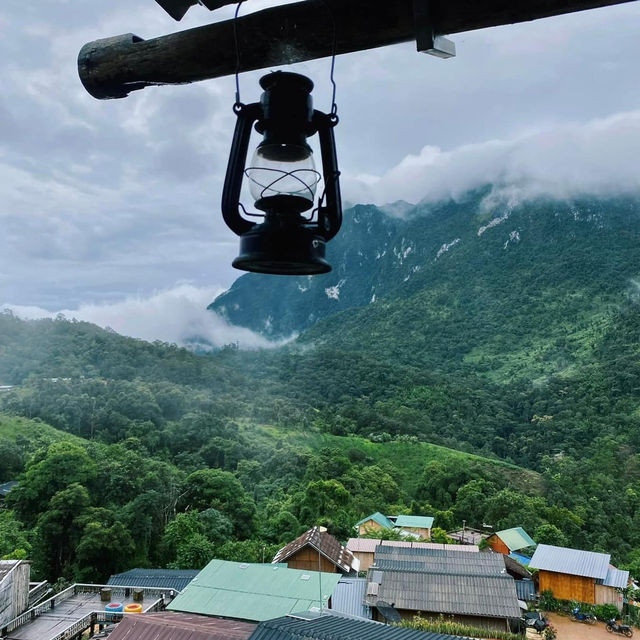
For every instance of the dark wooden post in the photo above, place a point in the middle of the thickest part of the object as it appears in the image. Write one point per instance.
(113, 67)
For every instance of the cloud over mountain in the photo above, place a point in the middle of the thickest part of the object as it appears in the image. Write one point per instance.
(599, 157)
(177, 315)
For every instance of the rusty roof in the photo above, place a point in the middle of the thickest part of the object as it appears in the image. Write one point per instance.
(180, 626)
(323, 542)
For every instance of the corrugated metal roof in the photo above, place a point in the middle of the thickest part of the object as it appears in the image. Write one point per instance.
(615, 578)
(176, 579)
(349, 596)
(368, 545)
(571, 561)
(515, 538)
(522, 559)
(327, 627)
(514, 568)
(323, 542)
(415, 522)
(180, 626)
(6, 487)
(439, 561)
(378, 518)
(486, 596)
(254, 591)
(525, 589)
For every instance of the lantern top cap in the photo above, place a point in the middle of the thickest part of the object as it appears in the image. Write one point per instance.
(286, 80)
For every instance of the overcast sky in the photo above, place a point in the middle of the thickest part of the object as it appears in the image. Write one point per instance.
(111, 208)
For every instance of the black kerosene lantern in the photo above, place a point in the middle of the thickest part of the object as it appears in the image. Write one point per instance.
(283, 180)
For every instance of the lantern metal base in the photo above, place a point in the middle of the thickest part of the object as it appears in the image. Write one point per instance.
(288, 251)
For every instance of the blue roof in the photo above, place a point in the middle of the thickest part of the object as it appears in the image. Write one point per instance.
(176, 579)
(522, 559)
(349, 596)
(573, 562)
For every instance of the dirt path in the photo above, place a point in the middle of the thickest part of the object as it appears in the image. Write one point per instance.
(569, 630)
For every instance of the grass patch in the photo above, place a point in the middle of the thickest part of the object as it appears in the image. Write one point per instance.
(34, 433)
(409, 458)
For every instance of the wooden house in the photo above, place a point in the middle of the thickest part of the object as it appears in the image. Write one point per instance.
(317, 550)
(470, 588)
(573, 574)
(509, 540)
(417, 527)
(375, 522)
(414, 526)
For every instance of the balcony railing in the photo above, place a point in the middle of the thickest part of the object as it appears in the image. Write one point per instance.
(92, 617)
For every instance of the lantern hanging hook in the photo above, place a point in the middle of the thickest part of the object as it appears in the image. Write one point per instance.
(237, 106)
(334, 106)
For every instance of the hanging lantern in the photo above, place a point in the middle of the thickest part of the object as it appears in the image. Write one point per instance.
(291, 238)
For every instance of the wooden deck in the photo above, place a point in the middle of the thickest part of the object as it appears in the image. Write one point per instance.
(68, 613)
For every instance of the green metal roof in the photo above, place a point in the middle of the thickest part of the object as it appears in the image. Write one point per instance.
(254, 591)
(414, 522)
(516, 538)
(378, 518)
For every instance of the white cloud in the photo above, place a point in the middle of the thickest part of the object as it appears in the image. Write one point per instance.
(175, 315)
(598, 157)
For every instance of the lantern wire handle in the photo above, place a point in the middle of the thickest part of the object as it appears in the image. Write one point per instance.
(334, 106)
(238, 104)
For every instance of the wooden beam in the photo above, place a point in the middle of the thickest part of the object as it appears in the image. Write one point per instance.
(113, 67)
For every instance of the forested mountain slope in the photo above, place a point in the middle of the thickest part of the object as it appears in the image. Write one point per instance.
(511, 290)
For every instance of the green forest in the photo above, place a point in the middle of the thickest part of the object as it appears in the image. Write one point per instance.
(502, 390)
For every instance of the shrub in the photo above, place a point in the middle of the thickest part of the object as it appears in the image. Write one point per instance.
(548, 602)
(449, 626)
(606, 611)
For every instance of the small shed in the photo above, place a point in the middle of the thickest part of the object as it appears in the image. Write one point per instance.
(318, 550)
(419, 526)
(375, 522)
(509, 540)
(574, 574)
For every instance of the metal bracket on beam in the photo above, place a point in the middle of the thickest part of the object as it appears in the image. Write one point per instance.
(177, 8)
(426, 39)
